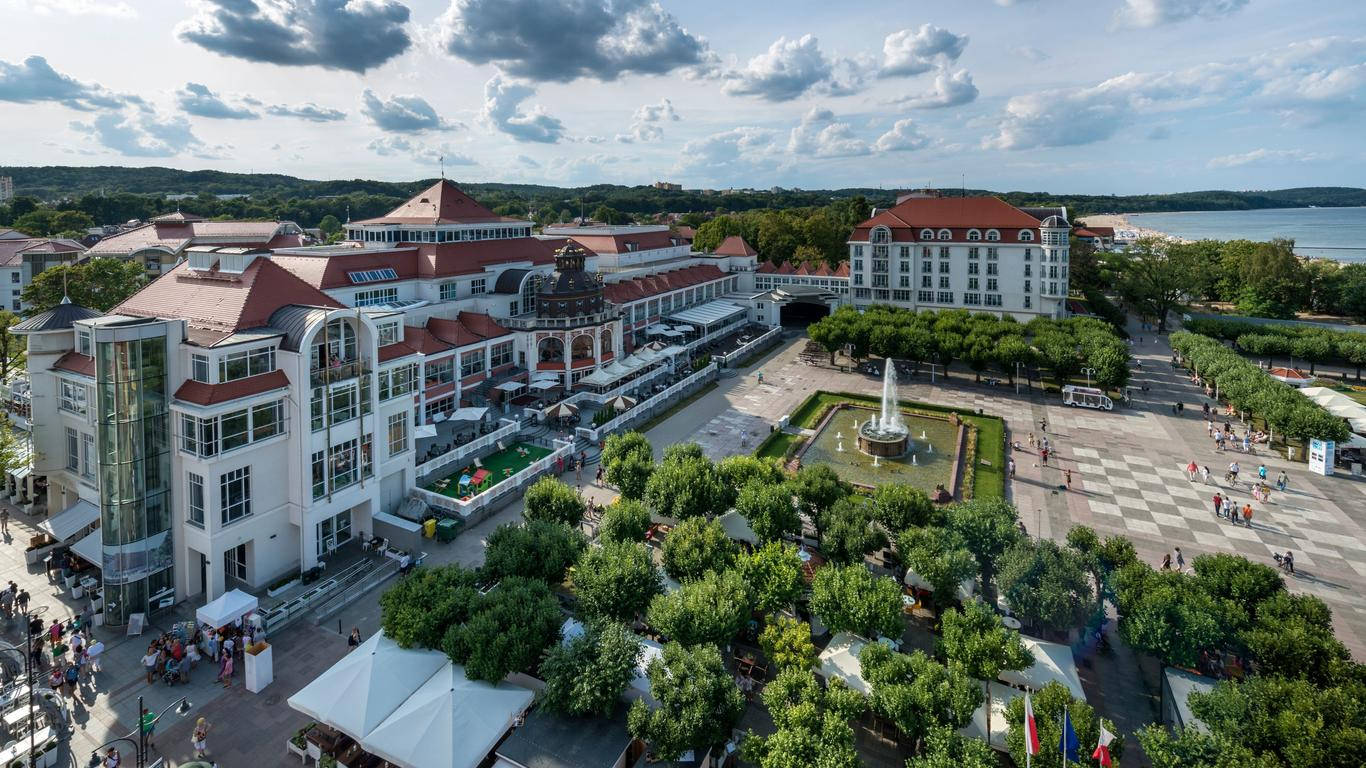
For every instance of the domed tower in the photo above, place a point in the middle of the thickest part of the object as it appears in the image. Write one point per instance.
(570, 291)
(1055, 232)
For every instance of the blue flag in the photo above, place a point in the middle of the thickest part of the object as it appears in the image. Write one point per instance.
(1068, 743)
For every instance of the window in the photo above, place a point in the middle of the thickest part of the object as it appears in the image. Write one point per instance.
(974, 234)
(235, 562)
(373, 275)
(993, 299)
(993, 235)
(199, 368)
(333, 532)
(862, 293)
(858, 250)
(87, 456)
(926, 281)
(471, 363)
(943, 281)
(924, 297)
(926, 234)
(991, 254)
(194, 500)
(904, 281)
(992, 269)
(879, 281)
(266, 420)
(1027, 286)
(1053, 288)
(943, 251)
(991, 284)
(376, 296)
(858, 265)
(1027, 271)
(944, 267)
(944, 234)
(220, 434)
(1026, 236)
(901, 295)
(341, 466)
(858, 278)
(500, 354)
(1029, 254)
(1027, 301)
(945, 297)
(73, 450)
(74, 397)
(387, 333)
(240, 365)
(14, 277)
(449, 291)
(398, 433)
(440, 372)
(926, 266)
(83, 345)
(974, 253)
(477, 286)
(342, 404)
(972, 283)
(397, 381)
(234, 495)
(881, 235)
(972, 299)
(234, 430)
(974, 268)
(905, 252)
(905, 266)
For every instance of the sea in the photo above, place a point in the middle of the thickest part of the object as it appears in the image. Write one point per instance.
(1329, 233)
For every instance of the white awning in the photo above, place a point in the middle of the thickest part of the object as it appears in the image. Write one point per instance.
(510, 386)
(424, 430)
(1001, 696)
(655, 330)
(1052, 662)
(544, 376)
(599, 378)
(229, 607)
(468, 414)
(403, 524)
(21, 472)
(72, 520)
(89, 548)
(738, 528)
(672, 350)
(840, 660)
(544, 384)
(709, 313)
(672, 334)
(684, 328)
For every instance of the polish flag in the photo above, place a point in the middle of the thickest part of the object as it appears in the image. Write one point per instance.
(1102, 752)
(1032, 729)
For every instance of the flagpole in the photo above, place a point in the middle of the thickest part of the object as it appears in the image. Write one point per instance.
(1062, 739)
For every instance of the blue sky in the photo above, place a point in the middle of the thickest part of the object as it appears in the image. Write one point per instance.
(1094, 96)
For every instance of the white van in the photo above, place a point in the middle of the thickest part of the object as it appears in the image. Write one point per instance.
(1086, 397)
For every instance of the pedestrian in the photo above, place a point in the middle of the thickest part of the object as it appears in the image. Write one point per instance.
(1204, 474)
(112, 758)
(1067, 478)
(93, 653)
(72, 676)
(1167, 562)
(149, 726)
(598, 480)
(225, 668)
(1191, 469)
(199, 739)
(149, 663)
(1043, 455)
(1261, 472)
(7, 603)
(55, 631)
(1031, 439)
(1282, 481)
(1043, 425)
(1247, 515)
(1180, 560)
(1218, 503)
(353, 640)
(4, 520)
(23, 598)
(1010, 467)
(1229, 507)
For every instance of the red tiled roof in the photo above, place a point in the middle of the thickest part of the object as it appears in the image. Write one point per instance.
(482, 325)
(686, 232)
(645, 287)
(766, 268)
(441, 203)
(643, 241)
(471, 257)
(327, 272)
(177, 217)
(174, 235)
(13, 250)
(200, 393)
(422, 341)
(735, 245)
(842, 270)
(394, 351)
(1095, 232)
(822, 271)
(958, 214)
(467, 328)
(786, 269)
(222, 302)
(76, 363)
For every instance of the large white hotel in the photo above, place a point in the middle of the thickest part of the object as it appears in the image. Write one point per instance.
(255, 407)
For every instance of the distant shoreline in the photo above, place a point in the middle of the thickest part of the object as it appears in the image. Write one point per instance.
(1121, 223)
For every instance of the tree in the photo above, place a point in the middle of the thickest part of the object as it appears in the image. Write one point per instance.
(540, 549)
(769, 510)
(98, 283)
(988, 527)
(947, 748)
(695, 546)
(416, 611)
(817, 488)
(699, 703)
(551, 499)
(627, 462)
(740, 470)
(851, 599)
(1168, 615)
(774, 572)
(329, 225)
(712, 609)
(685, 486)
(1235, 578)
(624, 520)
(940, 558)
(1292, 721)
(1046, 584)
(1049, 703)
(898, 507)
(1158, 276)
(616, 580)
(787, 643)
(1293, 638)
(586, 675)
(506, 630)
(848, 533)
(1191, 748)
(12, 346)
(976, 639)
(811, 721)
(917, 693)
(1273, 280)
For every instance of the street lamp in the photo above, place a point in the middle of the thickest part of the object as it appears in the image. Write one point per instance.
(181, 707)
(1088, 372)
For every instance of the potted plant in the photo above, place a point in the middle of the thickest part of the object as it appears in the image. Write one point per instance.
(298, 743)
(327, 761)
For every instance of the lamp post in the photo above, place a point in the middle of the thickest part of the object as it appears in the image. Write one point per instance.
(1088, 372)
(181, 707)
(29, 618)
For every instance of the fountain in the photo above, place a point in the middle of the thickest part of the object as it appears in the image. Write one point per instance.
(840, 447)
(885, 435)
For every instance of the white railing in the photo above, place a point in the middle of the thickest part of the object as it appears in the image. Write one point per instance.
(749, 348)
(461, 452)
(647, 406)
(467, 509)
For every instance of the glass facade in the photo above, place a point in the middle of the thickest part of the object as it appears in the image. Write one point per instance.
(135, 470)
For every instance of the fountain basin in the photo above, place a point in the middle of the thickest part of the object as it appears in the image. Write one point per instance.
(887, 444)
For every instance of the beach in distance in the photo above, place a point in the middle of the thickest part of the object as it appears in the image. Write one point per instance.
(1329, 233)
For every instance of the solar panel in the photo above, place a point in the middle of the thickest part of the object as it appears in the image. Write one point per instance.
(373, 275)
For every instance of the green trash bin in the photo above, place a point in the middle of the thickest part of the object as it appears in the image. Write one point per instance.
(447, 529)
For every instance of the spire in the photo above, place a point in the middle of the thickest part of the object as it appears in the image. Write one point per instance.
(65, 298)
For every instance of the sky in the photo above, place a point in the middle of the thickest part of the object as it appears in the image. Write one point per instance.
(1082, 96)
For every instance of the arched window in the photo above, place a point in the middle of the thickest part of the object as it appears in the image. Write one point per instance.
(606, 342)
(881, 235)
(974, 234)
(550, 349)
(531, 285)
(583, 347)
(944, 234)
(927, 234)
(1026, 235)
(993, 235)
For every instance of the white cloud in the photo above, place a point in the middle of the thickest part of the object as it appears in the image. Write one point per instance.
(820, 135)
(902, 136)
(196, 99)
(1264, 157)
(79, 8)
(644, 126)
(914, 51)
(732, 154)
(503, 112)
(400, 114)
(1152, 13)
(418, 151)
(351, 35)
(788, 69)
(145, 133)
(1031, 53)
(951, 89)
(34, 81)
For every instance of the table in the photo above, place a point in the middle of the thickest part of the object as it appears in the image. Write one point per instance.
(1011, 622)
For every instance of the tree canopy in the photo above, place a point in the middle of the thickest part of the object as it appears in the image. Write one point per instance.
(586, 675)
(852, 599)
(694, 547)
(624, 520)
(616, 580)
(698, 702)
(540, 549)
(713, 609)
(96, 283)
(812, 723)
(551, 499)
(917, 693)
(1049, 703)
(774, 572)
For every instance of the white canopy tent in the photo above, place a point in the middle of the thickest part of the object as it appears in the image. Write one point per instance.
(229, 607)
(1000, 698)
(1179, 685)
(90, 548)
(510, 386)
(468, 414)
(840, 660)
(965, 590)
(72, 520)
(449, 722)
(1339, 405)
(367, 685)
(1052, 663)
(639, 687)
(424, 430)
(544, 384)
(737, 528)
(545, 375)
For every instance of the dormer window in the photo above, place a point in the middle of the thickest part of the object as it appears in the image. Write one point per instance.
(944, 234)
(1026, 235)
(926, 234)
(993, 235)
(881, 235)
(974, 234)
(83, 345)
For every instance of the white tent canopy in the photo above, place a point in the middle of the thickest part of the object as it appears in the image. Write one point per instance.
(1180, 684)
(1339, 405)
(1001, 696)
(424, 430)
(840, 660)
(1052, 663)
(449, 722)
(510, 386)
(367, 685)
(468, 414)
(709, 313)
(544, 384)
(229, 607)
(545, 376)
(738, 528)
(966, 589)
(640, 682)
(72, 520)
(89, 548)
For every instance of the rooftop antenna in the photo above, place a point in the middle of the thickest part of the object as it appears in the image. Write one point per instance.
(442, 160)
(66, 299)
(348, 213)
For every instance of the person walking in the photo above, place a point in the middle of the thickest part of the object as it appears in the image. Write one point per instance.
(1247, 515)
(200, 738)
(112, 758)
(353, 640)
(4, 520)
(1010, 468)
(1282, 481)
(72, 676)
(1031, 439)
(1191, 469)
(1067, 478)
(149, 726)
(1218, 503)
(1043, 425)
(23, 598)
(1043, 455)
(1167, 562)
(1229, 507)
(1204, 474)
(149, 663)
(225, 668)
(1180, 560)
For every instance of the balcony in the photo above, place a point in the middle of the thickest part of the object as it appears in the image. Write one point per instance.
(337, 371)
(532, 322)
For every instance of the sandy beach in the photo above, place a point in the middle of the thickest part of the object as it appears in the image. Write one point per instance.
(1124, 229)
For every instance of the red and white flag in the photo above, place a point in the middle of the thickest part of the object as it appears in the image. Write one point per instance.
(1031, 729)
(1102, 752)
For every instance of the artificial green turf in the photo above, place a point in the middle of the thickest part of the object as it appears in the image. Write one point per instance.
(495, 463)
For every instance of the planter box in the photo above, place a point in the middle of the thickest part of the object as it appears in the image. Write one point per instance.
(283, 588)
(260, 668)
(297, 751)
(32, 556)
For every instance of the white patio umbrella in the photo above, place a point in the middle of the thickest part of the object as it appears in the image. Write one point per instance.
(621, 403)
(562, 411)
(357, 693)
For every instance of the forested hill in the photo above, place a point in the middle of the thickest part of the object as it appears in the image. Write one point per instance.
(57, 183)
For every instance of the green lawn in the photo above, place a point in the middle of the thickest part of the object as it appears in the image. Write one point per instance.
(775, 445)
(500, 465)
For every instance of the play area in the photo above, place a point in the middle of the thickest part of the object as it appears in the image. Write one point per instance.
(473, 479)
